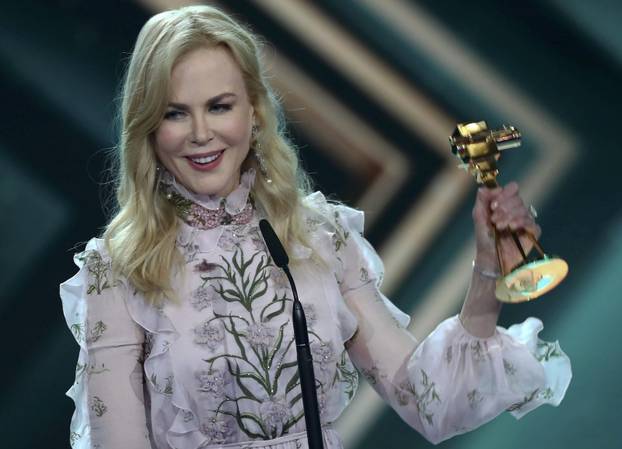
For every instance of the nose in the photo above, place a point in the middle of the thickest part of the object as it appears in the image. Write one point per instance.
(201, 131)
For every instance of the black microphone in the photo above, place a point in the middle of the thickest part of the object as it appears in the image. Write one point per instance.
(303, 351)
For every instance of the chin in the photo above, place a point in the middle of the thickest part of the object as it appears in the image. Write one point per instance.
(212, 188)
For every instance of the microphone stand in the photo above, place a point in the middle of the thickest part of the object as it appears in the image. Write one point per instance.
(301, 334)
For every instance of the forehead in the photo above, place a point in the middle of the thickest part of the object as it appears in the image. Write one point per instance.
(205, 72)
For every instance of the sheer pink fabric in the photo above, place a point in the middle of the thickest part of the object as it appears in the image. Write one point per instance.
(219, 368)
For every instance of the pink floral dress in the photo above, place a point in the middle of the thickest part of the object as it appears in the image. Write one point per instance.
(218, 369)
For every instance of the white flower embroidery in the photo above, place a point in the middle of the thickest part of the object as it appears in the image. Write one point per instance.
(202, 297)
(323, 354)
(211, 381)
(260, 335)
(209, 333)
(189, 249)
(275, 412)
(217, 430)
(228, 240)
(310, 314)
(257, 240)
(279, 278)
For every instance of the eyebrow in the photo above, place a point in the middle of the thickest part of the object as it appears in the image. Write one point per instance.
(209, 102)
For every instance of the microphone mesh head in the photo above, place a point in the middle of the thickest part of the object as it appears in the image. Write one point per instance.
(277, 252)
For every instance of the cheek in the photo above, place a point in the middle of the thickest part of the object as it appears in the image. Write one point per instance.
(237, 132)
(169, 139)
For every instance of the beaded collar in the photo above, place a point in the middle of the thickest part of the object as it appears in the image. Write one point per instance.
(211, 211)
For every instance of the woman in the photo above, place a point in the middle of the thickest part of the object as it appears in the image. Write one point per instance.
(184, 322)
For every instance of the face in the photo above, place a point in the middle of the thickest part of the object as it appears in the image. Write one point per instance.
(205, 133)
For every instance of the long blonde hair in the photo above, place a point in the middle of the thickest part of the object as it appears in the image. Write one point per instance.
(140, 237)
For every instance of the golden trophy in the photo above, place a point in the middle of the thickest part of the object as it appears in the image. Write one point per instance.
(479, 149)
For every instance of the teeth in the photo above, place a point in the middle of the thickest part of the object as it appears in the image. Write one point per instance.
(205, 160)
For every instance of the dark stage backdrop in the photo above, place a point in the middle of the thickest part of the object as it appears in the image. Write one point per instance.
(372, 88)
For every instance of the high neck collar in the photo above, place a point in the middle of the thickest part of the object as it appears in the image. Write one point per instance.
(234, 203)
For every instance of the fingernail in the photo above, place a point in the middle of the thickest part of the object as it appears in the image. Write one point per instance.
(494, 205)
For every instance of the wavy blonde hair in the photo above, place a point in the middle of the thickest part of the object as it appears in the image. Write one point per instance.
(140, 237)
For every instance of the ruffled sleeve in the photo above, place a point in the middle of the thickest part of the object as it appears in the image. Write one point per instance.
(338, 231)
(451, 382)
(108, 387)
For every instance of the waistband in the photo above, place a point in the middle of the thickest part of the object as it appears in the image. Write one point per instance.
(300, 438)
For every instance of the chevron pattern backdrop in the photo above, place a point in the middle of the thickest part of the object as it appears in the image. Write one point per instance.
(372, 89)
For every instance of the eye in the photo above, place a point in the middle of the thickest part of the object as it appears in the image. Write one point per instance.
(219, 108)
(173, 114)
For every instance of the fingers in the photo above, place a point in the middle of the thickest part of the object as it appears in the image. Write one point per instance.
(508, 210)
(482, 209)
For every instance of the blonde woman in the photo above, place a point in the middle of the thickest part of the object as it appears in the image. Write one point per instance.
(182, 319)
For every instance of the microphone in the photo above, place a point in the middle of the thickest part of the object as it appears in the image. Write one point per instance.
(303, 351)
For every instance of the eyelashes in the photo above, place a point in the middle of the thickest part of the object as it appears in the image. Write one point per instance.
(218, 108)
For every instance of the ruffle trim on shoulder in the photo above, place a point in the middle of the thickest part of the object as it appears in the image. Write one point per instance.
(72, 293)
(357, 262)
(336, 231)
(93, 278)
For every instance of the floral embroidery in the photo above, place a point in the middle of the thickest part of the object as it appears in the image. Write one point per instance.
(148, 344)
(279, 278)
(98, 269)
(509, 368)
(547, 394)
(310, 314)
(449, 354)
(423, 398)
(168, 384)
(275, 413)
(217, 430)
(530, 397)
(347, 375)
(189, 250)
(97, 406)
(90, 368)
(257, 239)
(78, 332)
(373, 374)
(478, 350)
(260, 335)
(209, 333)
(202, 297)
(474, 397)
(211, 381)
(364, 275)
(229, 240)
(73, 438)
(341, 235)
(312, 224)
(323, 354)
(96, 332)
(547, 350)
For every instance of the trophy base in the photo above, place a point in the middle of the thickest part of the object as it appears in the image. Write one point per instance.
(531, 280)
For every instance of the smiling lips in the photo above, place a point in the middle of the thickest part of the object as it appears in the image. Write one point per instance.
(206, 161)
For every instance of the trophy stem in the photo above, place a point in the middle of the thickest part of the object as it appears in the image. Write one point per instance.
(536, 244)
(498, 251)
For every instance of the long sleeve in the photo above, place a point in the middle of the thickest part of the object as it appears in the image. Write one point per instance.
(108, 388)
(451, 382)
